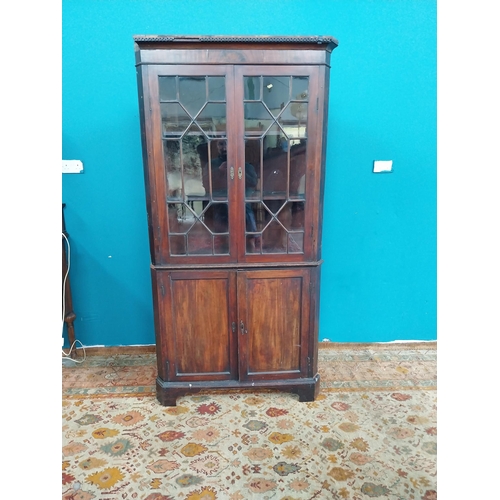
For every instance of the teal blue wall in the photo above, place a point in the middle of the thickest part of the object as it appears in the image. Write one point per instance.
(379, 238)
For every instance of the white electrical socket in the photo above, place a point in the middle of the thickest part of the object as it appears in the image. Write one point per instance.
(380, 166)
(72, 167)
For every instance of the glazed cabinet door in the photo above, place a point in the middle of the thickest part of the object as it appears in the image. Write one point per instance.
(275, 324)
(196, 318)
(279, 148)
(187, 111)
(234, 162)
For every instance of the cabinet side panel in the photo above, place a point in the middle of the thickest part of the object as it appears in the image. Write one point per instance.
(274, 324)
(149, 182)
(200, 326)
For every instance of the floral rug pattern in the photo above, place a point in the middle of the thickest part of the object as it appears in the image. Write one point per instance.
(371, 433)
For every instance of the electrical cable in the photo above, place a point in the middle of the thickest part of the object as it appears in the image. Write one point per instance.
(68, 354)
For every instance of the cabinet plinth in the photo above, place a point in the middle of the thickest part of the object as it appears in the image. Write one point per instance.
(233, 135)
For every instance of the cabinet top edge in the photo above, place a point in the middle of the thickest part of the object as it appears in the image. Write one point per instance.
(313, 39)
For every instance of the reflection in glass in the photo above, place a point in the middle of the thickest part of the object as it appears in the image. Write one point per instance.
(300, 88)
(276, 92)
(296, 242)
(174, 118)
(193, 113)
(212, 120)
(177, 244)
(216, 88)
(172, 161)
(192, 93)
(253, 154)
(215, 170)
(257, 118)
(252, 86)
(275, 112)
(199, 240)
(297, 121)
(168, 88)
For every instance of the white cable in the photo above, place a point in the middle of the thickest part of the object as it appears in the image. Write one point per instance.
(68, 355)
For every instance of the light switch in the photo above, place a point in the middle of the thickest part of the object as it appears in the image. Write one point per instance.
(72, 167)
(382, 166)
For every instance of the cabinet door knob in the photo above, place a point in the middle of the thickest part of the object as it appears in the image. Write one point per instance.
(242, 328)
(240, 173)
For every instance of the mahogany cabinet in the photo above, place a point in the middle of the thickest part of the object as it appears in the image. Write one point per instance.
(234, 137)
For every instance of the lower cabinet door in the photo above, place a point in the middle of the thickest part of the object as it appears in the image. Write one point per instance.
(196, 332)
(233, 326)
(274, 323)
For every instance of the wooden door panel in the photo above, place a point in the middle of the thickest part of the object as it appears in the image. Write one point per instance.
(275, 308)
(200, 343)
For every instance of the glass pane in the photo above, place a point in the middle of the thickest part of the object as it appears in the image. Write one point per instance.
(285, 216)
(276, 93)
(197, 208)
(192, 185)
(180, 218)
(199, 240)
(221, 244)
(251, 180)
(252, 86)
(216, 88)
(177, 244)
(296, 242)
(192, 93)
(295, 120)
(215, 217)
(274, 238)
(215, 177)
(257, 118)
(172, 159)
(174, 119)
(252, 229)
(298, 170)
(274, 179)
(300, 87)
(220, 217)
(253, 155)
(297, 222)
(168, 88)
(212, 120)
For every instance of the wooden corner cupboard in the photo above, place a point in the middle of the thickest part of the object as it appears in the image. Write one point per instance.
(234, 136)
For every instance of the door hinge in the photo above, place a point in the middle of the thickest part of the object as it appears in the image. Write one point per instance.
(308, 364)
(233, 327)
(162, 288)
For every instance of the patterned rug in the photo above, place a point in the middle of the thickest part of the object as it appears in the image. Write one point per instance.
(371, 433)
